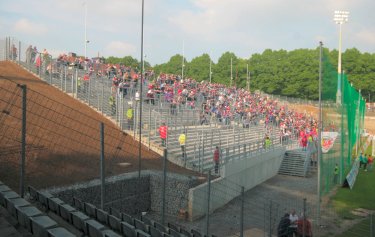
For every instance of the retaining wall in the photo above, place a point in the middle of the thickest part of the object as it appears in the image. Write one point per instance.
(121, 192)
(246, 172)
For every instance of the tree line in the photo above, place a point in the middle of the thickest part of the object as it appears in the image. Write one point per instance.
(288, 73)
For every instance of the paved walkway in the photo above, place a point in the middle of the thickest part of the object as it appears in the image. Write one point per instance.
(263, 207)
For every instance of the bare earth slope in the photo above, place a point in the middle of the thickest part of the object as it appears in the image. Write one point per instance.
(63, 139)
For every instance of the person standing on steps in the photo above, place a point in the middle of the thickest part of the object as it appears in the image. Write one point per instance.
(163, 133)
(129, 116)
(112, 104)
(182, 140)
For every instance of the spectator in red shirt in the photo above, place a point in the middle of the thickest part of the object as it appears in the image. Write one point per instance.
(163, 132)
(304, 227)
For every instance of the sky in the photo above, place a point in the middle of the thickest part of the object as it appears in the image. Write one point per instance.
(194, 27)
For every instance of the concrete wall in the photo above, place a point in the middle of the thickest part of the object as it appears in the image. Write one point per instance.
(177, 189)
(246, 172)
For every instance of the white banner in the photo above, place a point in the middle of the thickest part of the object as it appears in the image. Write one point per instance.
(328, 139)
(373, 146)
(352, 176)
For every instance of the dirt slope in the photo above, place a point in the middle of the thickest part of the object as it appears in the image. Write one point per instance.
(62, 136)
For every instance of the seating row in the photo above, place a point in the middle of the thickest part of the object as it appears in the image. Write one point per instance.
(95, 222)
(30, 217)
(80, 221)
(131, 226)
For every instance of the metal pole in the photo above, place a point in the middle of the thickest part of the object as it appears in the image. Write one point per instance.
(242, 210)
(6, 48)
(149, 128)
(208, 202)
(304, 218)
(270, 221)
(23, 144)
(319, 132)
(247, 78)
(183, 60)
(85, 4)
(372, 227)
(89, 92)
(76, 84)
(102, 166)
(164, 186)
(102, 100)
(141, 99)
(19, 52)
(50, 72)
(210, 70)
(72, 84)
(231, 73)
(338, 96)
(358, 140)
(64, 80)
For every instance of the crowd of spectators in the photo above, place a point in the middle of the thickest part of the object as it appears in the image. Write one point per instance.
(225, 104)
(214, 101)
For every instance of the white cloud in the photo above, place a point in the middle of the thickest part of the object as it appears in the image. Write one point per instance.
(26, 26)
(119, 48)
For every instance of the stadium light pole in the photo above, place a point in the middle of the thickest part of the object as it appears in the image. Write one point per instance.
(210, 69)
(247, 77)
(340, 18)
(231, 71)
(320, 127)
(183, 60)
(86, 41)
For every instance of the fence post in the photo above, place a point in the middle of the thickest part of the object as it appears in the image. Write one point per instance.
(6, 48)
(242, 210)
(72, 84)
(102, 99)
(270, 220)
(372, 227)
(19, 52)
(208, 202)
(63, 71)
(149, 127)
(304, 217)
(89, 93)
(51, 71)
(164, 186)
(76, 84)
(23, 144)
(102, 166)
(64, 80)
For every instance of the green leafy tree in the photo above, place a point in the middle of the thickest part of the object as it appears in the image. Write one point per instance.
(199, 68)
(222, 70)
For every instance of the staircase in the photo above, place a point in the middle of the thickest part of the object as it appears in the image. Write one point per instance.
(295, 163)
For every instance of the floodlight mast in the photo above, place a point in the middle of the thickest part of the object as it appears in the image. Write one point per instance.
(86, 41)
(340, 18)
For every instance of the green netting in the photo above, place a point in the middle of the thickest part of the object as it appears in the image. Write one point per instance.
(342, 115)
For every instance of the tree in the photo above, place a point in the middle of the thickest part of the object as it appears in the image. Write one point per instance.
(199, 68)
(221, 72)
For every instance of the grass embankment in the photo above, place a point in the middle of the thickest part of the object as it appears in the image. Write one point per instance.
(361, 196)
